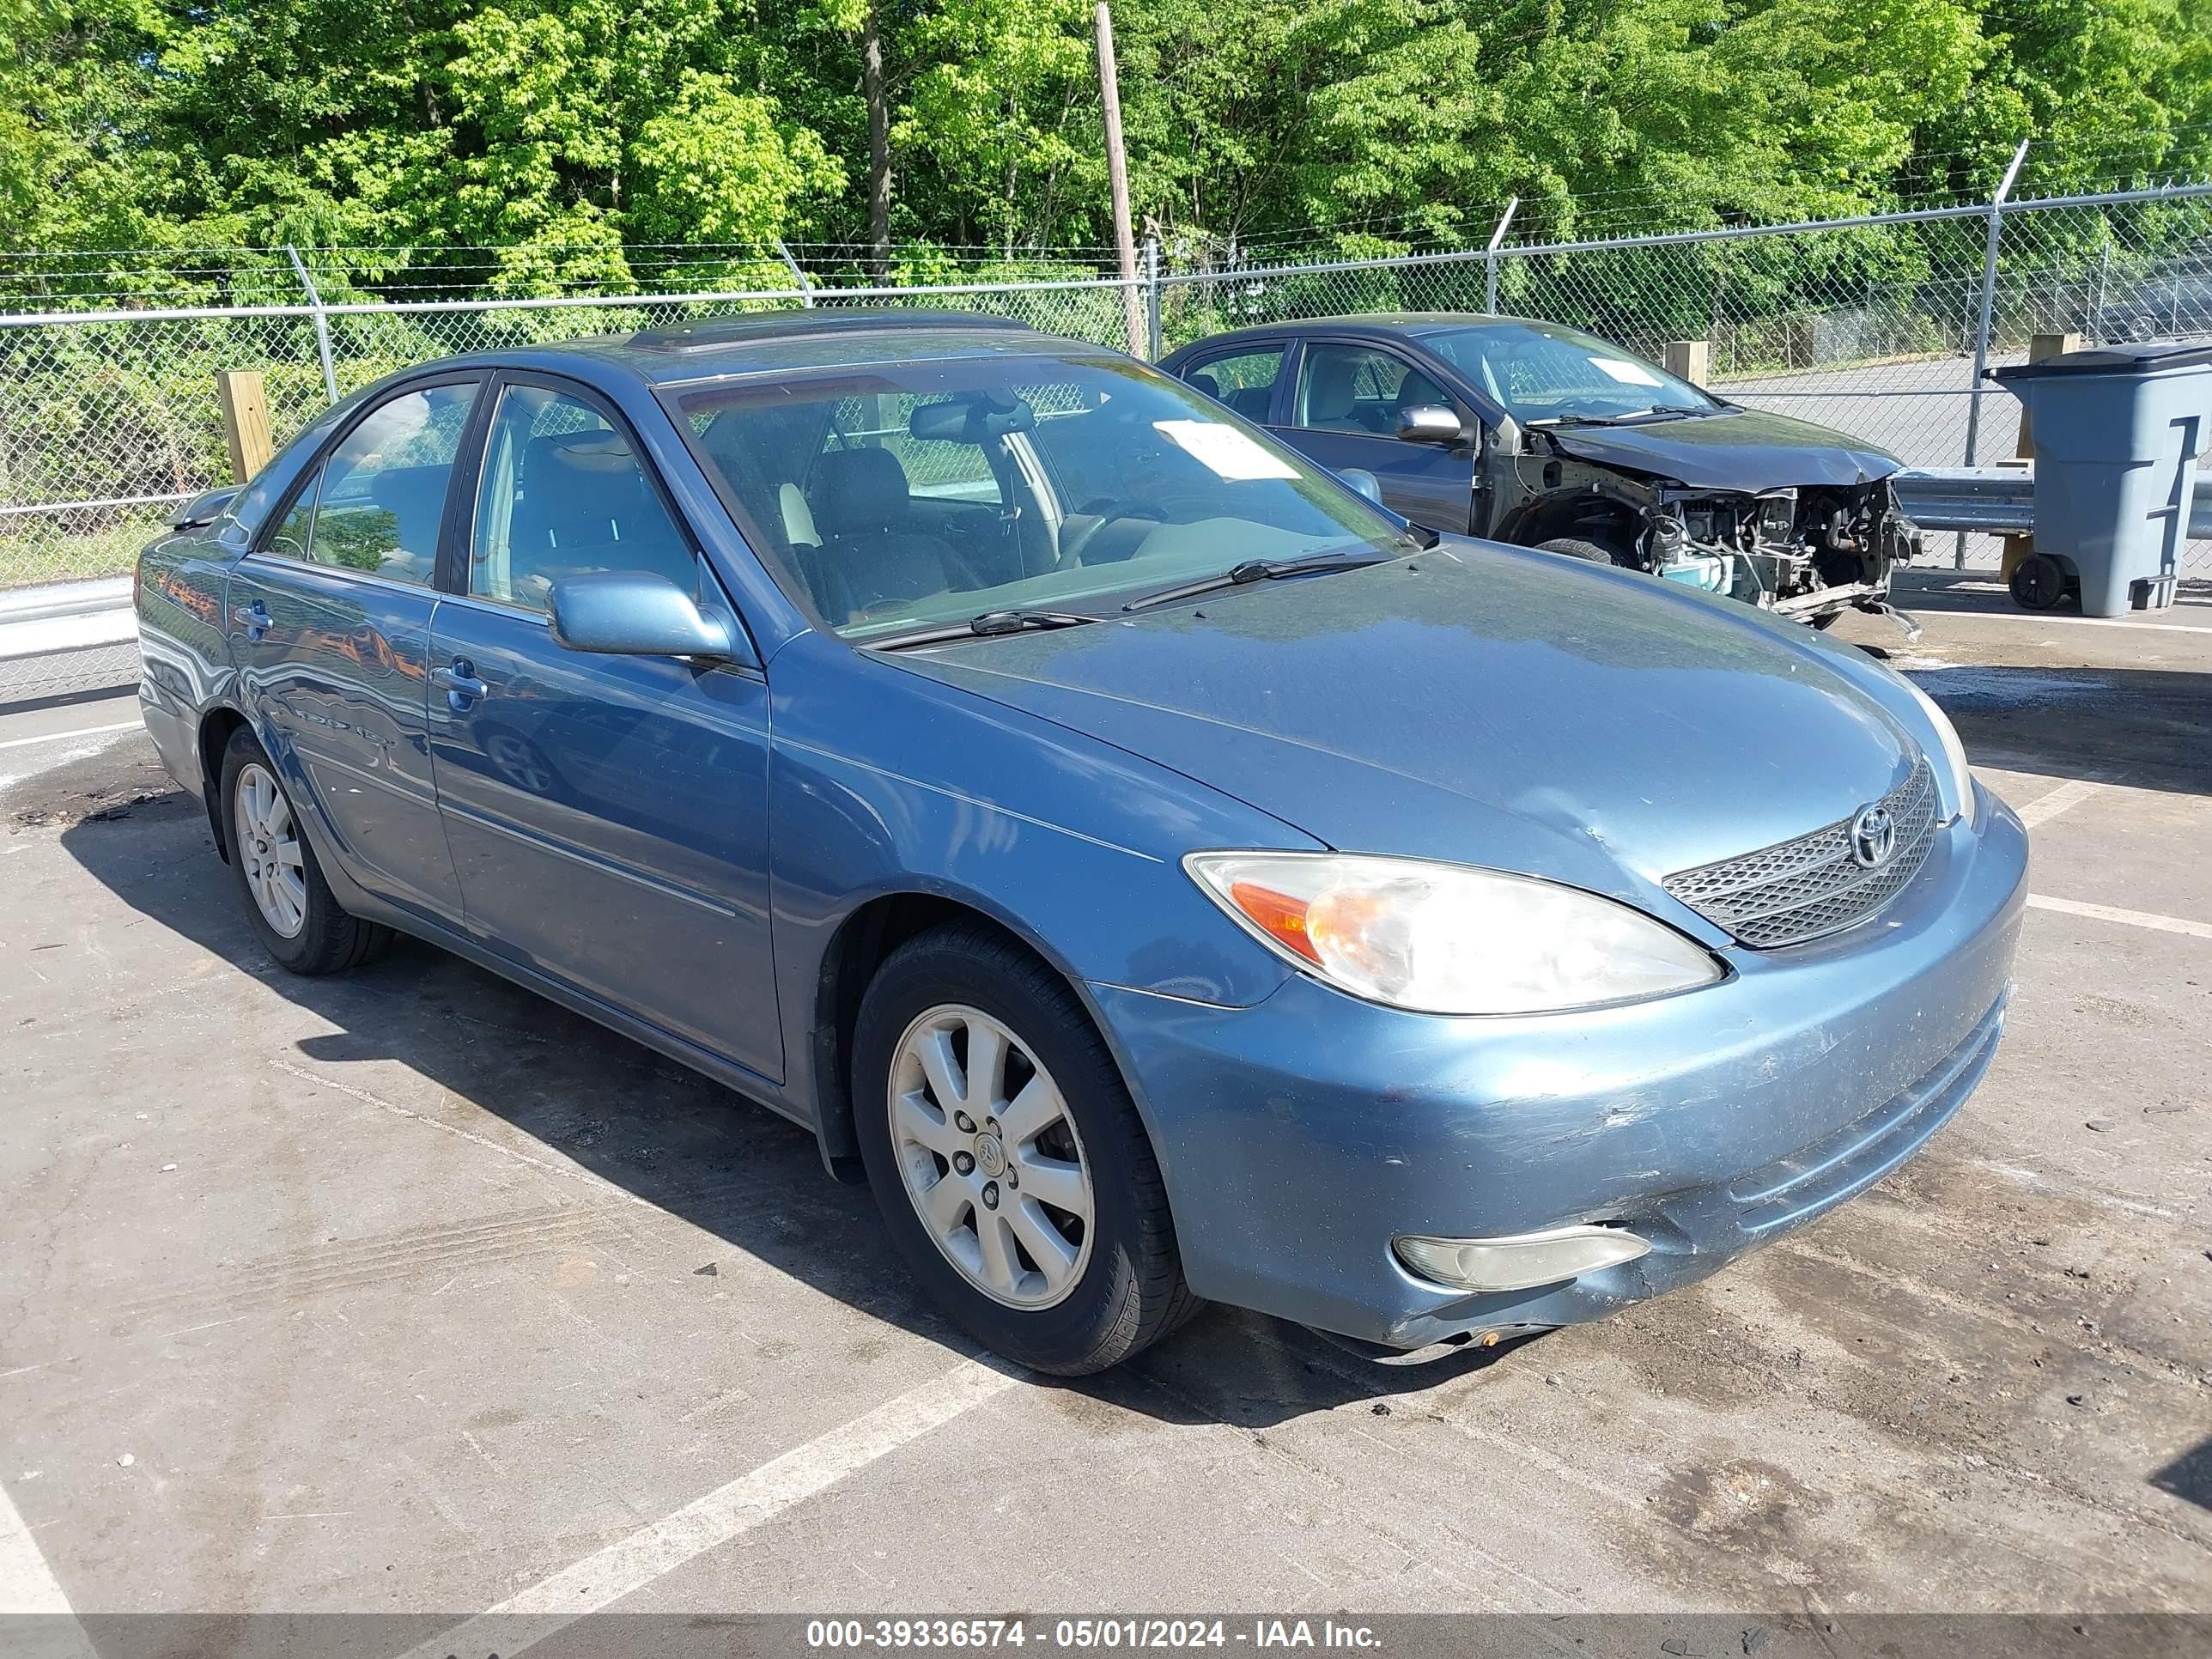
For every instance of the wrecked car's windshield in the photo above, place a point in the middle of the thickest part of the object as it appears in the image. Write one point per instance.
(1541, 371)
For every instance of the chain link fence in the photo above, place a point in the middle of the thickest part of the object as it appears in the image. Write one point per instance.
(1874, 326)
(1871, 325)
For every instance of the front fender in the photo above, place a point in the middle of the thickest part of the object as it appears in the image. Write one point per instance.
(884, 781)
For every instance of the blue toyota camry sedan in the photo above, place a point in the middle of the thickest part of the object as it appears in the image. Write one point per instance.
(1160, 873)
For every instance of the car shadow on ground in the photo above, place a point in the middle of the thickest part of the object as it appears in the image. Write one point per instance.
(2189, 1476)
(736, 1171)
(2141, 725)
(2138, 726)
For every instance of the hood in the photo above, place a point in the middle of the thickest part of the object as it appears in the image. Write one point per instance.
(1478, 703)
(1747, 449)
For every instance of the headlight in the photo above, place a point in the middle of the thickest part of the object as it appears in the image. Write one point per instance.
(1954, 752)
(1442, 938)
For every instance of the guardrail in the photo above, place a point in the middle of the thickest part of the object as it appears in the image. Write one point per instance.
(65, 638)
(2000, 500)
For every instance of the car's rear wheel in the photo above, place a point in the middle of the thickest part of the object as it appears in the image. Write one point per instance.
(1012, 1169)
(287, 899)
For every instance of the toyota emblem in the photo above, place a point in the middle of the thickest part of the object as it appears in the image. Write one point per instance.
(1873, 836)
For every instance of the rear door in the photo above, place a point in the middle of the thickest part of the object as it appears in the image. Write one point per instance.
(1244, 377)
(608, 815)
(328, 619)
(1343, 408)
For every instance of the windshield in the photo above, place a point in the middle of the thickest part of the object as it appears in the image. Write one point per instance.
(904, 495)
(1541, 371)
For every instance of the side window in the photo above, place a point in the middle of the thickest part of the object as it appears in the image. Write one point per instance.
(564, 494)
(1359, 389)
(289, 539)
(381, 496)
(1246, 381)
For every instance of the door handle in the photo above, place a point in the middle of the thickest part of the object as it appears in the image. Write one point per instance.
(459, 682)
(251, 620)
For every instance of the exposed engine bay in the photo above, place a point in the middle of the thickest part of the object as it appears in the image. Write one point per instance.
(1810, 553)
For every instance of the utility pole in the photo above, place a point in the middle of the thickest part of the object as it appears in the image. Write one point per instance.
(1117, 172)
(880, 143)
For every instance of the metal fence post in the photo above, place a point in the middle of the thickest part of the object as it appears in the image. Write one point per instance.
(805, 287)
(322, 321)
(1989, 298)
(1988, 318)
(1489, 256)
(1152, 298)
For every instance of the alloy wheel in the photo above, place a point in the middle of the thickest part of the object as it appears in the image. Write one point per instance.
(270, 851)
(990, 1156)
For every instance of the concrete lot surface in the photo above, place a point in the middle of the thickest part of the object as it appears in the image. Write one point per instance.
(408, 1291)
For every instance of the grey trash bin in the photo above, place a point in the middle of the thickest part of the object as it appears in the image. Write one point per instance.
(2118, 431)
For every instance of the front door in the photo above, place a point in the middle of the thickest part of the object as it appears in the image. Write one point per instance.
(608, 815)
(328, 622)
(1344, 413)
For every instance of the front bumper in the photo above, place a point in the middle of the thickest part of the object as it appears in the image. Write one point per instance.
(1299, 1136)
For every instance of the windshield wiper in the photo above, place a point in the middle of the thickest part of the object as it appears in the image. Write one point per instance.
(1640, 417)
(1260, 570)
(985, 626)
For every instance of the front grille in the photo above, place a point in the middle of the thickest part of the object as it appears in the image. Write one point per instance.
(1799, 889)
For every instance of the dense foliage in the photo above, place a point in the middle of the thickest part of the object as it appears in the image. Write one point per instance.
(555, 134)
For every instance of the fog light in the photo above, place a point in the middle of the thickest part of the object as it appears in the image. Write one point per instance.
(1521, 1262)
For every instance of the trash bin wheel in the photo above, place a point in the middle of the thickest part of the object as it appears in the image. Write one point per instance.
(2038, 583)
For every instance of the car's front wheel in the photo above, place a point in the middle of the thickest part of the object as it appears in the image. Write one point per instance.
(1012, 1169)
(291, 906)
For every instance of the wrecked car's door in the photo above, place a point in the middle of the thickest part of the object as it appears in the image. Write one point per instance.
(1345, 406)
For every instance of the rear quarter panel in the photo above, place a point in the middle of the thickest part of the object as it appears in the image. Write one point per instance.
(184, 654)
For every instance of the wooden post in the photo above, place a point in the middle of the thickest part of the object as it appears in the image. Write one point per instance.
(1689, 359)
(2040, 346)
(244, 420)
(1117, 178)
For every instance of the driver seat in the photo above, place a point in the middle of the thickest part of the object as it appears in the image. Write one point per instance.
(871, 554)
(1333, 391)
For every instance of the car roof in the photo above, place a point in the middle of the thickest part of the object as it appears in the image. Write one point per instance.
(817, 338)
(1374, 325)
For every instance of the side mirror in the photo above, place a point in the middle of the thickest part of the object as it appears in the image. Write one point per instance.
(203, 508)
(1429, 423)
(1360, 482)
(629, 614)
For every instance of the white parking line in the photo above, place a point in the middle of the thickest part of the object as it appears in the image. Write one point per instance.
(82, 731)
(2049, 806)
(2039, 617)
(632, 1562)
(2131, 918)
(27, 1586)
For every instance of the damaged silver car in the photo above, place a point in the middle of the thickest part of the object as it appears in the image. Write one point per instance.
(1537, 433)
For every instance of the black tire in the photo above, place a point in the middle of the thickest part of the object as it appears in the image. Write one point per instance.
(1577, 547)
(1129, 1291)
(2038, 583)
(328, 939)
